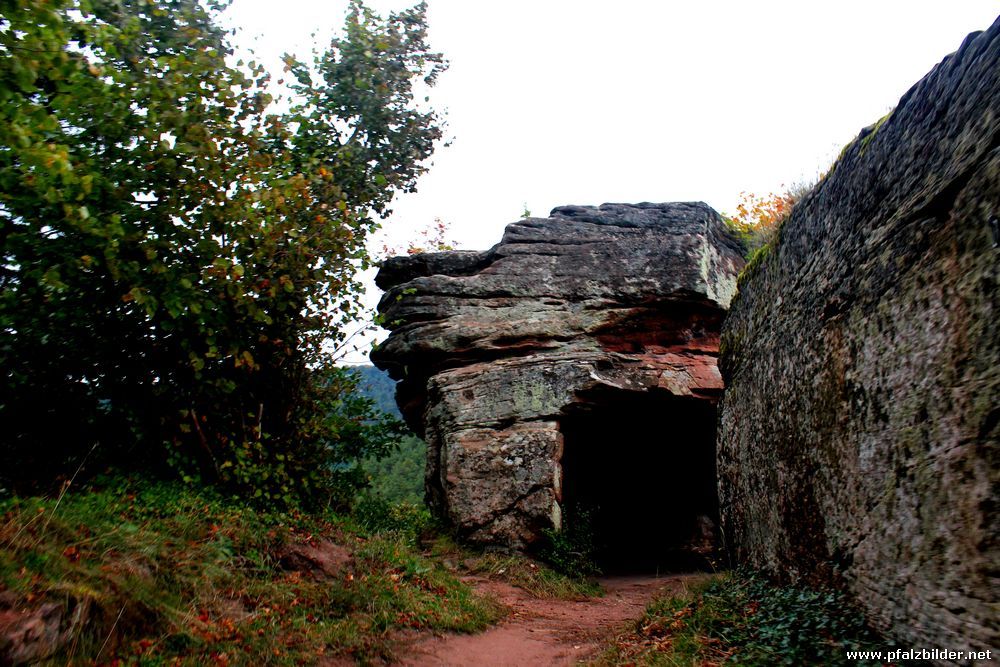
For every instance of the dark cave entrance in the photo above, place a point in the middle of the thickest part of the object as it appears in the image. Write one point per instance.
(641, 466)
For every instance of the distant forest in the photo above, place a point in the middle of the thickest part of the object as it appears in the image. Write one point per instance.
(400, 476)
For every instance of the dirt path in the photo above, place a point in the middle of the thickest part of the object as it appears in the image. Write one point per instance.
(544, 632)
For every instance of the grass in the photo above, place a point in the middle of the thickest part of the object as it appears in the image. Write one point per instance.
(873, 130)
(171, 575)
(864, 137)
(532, 576)
(755, 260)
(415, 524)
(739, 619)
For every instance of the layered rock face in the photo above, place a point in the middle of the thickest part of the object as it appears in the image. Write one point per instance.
(859, 433)
(495, 350)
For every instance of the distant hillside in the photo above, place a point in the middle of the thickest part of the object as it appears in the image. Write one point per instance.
(378, 386)
(398, 477)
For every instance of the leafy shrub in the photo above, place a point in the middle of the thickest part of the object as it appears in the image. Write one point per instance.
(789, 625)
(399, 476)
(176, 257)
(377, 515)
(739, 618)
(758, 217)
(572, 550)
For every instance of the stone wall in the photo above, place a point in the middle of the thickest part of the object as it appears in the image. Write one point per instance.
(859, 431)
(496, 349)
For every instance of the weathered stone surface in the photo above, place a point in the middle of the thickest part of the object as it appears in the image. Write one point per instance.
(859, 431)
(318, 559)
(31, 635)
(494, 348)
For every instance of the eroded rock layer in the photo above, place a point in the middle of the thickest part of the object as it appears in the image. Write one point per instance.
(495, 349)
(859, 432)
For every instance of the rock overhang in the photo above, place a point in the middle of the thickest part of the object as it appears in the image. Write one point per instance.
(574, 262)
(495, 349)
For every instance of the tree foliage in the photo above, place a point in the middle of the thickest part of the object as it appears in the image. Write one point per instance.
(758, 217)
(433, 237)
(399, 475)
(176, 257)
(761, 213)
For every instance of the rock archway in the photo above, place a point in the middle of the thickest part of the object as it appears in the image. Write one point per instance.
(596, 320)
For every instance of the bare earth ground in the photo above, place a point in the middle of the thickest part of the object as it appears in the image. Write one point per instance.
(544, 632)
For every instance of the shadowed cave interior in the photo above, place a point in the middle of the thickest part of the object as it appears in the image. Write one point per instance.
(641, 467)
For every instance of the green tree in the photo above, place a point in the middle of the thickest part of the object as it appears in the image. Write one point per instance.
(176, 258)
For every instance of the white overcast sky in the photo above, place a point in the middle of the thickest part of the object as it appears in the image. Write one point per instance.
(554, 102)
(573, 102)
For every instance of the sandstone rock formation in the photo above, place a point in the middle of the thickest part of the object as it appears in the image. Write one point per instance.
(859, 431)
(565, 326)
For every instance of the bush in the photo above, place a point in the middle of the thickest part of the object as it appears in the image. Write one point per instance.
(572, 550)
(175, 257)
(789, 625)
(380, 516)
(399, 476)
(739, 618)
(758, 218)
